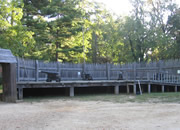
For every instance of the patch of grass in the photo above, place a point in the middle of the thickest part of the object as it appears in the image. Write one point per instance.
(121, 98)
(159, 97)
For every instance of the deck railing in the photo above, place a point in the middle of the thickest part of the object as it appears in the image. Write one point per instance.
(162, 71)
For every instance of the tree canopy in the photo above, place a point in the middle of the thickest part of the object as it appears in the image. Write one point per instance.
(74, 30)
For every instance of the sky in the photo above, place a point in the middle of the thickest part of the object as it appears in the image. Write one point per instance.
(120, 7)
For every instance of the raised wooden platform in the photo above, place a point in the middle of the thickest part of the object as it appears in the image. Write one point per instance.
(93, 83)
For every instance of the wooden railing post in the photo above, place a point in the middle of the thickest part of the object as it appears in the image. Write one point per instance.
(18, 70)
(59, 68)
(134, 71)
(83, 68)
(165, 77)
(148, 76)
(126, 74)
(161, 77)
(108, 71)
(155, 76)
(36, 70)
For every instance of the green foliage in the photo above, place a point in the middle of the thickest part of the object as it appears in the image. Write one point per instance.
(145, 31)
(65, 26)
(56, 24)
(173, 28)
(14, 35)
(71, 30)
(164, 41)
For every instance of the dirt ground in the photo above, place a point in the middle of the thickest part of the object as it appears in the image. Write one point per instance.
(81, 115)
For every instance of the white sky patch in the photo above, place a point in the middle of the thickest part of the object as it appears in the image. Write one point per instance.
(178, 2)
(121, 7)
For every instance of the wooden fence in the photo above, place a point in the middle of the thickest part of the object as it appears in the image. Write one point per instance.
(161, 71)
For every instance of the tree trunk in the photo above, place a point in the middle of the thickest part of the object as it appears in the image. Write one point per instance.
(57, 46)
(132, 49)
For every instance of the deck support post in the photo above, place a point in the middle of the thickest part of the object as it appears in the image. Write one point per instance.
(116, 89)
(134, 88)
(162, 88)
(20, 93)
(127, 89)
(175, 88)
(149, 88)
(9, 82)
(71, 91)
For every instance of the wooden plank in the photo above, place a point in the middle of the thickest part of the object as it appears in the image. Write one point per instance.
(18, 70)
(116, 89)
(134, 75)
(108, 69)
(27, 67)
(36, 71)
(71, 91)
(20, 93)
(27, 79)
(134, 88)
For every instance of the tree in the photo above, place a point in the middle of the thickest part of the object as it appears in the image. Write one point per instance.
(145, 32)
(105, 35)
(137, 36)
(36, 21)
(173, 28)
(74, 30)
(64, 23)
(56, 26)
(158, 15)
(14, 36)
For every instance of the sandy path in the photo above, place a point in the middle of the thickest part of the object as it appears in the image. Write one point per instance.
(62, 115)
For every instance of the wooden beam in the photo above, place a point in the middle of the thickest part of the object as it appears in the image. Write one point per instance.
(162, 88)
(9, 82)
(71, 91)
(108, 71)
(20, 93)
(149, 88)
(175, 88)
(18, 70)
(134, 88)
(128, 89)
(116, 89)
(36, 70)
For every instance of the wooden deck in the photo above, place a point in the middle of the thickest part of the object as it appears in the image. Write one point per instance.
(164, 74)
(116, 84)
